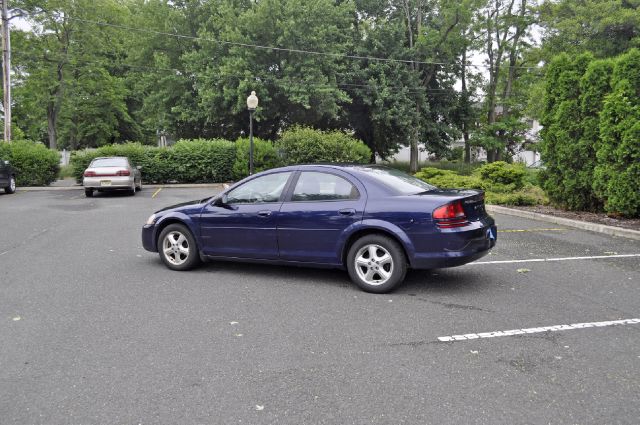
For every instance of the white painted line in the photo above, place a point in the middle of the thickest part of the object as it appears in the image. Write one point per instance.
(555, 328)
(542, 260)
(156, 192)
(2, 253)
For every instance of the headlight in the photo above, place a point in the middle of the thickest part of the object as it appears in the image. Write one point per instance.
(151, 219)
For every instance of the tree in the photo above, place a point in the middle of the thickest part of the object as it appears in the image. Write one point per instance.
(617, 175)
(65, 54)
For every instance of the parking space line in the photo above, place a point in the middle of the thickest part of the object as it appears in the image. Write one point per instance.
(512, 332)
(542, 260)
(530, 230)
(156, 192)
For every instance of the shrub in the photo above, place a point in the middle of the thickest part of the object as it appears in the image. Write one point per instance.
(447, 179)
(197, 161)
(301, 145)
(265, 156)
(501, 174)
(36, 165)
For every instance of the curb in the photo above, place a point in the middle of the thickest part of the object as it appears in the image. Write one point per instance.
(584, 225)
(146, 186)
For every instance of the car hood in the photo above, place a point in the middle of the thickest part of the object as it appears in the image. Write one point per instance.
(182, 205)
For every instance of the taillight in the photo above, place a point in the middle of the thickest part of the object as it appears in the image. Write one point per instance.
(123, 173)
(89, 173)
(450, 215)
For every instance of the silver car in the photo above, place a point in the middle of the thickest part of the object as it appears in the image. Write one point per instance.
(111, 173)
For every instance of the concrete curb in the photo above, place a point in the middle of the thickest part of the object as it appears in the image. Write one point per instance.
(584, 225)
(146, 186)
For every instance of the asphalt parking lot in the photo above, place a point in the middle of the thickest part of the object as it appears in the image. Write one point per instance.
(96, 330)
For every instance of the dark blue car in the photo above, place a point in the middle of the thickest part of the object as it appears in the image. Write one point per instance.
(372, 220)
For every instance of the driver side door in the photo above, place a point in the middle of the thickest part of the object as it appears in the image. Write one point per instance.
(245, 226)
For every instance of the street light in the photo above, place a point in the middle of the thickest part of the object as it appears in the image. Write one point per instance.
(252, 104)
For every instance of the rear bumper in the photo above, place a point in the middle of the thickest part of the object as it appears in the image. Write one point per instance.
(108, 182)
(464, 247)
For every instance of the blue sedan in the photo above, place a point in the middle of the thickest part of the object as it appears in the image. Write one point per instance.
(373, 221)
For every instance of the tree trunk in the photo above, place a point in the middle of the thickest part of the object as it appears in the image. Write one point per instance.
(52, 120)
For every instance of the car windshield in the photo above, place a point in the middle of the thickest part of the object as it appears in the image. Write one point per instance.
(109, 162)
(398, 180)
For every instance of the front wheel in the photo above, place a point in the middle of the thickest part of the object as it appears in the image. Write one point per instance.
(376, 263)
(177, 247)
(12, 185)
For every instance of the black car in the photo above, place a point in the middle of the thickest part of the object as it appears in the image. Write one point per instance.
(7, 176)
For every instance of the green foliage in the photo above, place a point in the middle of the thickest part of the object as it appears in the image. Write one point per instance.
(265, 156)
(301, 145)
(500, 173)
(617, 175)
(188, 161)
(504, 184)
(449, 179)
(575, 91)
(591, 131)
(35, 164)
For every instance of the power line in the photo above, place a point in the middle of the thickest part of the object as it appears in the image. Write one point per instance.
(283, 49)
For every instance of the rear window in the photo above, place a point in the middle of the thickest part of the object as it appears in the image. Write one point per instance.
(109, 162)
(397, 180)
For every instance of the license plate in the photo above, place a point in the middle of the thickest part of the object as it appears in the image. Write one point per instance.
(105, 182)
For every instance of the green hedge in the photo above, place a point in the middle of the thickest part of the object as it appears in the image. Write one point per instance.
(301, 145)
(188, 161)
(36, 165)
(265, 156)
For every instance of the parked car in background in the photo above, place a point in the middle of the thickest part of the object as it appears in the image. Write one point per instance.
(111, 173)
(7, 176)
(373, 221)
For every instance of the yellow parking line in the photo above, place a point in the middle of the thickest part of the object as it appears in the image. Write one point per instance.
(529, 230)
(156, 192)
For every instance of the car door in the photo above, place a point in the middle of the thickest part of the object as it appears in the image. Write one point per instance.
(245, 225)
(313, 219)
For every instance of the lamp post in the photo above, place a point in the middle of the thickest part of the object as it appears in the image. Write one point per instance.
(252, 104)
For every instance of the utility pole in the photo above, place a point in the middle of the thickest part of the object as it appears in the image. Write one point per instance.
(6, 70)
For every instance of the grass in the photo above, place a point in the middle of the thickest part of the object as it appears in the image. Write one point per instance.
(66, 171)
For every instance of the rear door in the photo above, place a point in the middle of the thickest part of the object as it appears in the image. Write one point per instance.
(313, 219)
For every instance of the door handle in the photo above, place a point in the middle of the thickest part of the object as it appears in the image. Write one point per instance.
(347, 211)
(265, 213)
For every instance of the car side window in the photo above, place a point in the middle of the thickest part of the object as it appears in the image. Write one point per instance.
(316, 186)
(259, 190)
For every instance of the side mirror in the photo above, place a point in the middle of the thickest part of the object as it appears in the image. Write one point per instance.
(6, 162)
(138, 167)
(221, 201)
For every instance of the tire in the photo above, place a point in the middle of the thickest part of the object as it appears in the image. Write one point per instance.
(132, 189)
(376, 263)
(12, 185)
(177, 247)
(140, 186)
(88, 192)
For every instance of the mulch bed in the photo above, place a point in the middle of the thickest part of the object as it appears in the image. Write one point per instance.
(600, 218)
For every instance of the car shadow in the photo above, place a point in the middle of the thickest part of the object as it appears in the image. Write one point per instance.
(112, 194)
(445, 281)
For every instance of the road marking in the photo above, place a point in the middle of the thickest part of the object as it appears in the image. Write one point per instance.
(530, 230)
(156, 192)
(2, 253)
(542, 260)
(495, 334)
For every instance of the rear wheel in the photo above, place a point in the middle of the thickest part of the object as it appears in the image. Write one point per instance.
(88, 192)
(12, 185)
(376, 263)
(132, 189)
(177, 247)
